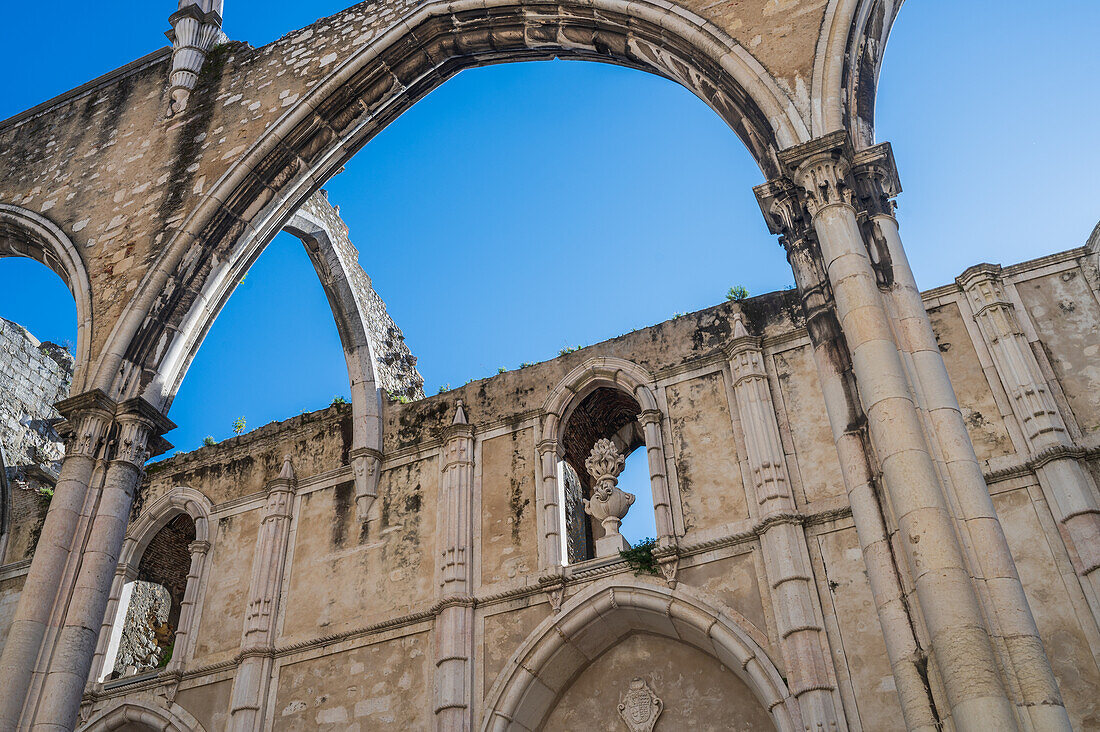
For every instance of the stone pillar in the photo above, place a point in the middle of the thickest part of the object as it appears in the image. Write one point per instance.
(454, 626)
(959, 638)
(846, 419)
(655, 454)
(89, 416)
(782, 540)
(984, 543)
(138, 422)
(180, 648)
(551, 521)
(250, 685)
(110, 631)
(1068, 488)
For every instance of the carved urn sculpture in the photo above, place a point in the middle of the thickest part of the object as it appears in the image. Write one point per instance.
(608, 503)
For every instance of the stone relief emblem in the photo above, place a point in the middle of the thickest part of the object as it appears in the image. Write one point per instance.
(640, 707)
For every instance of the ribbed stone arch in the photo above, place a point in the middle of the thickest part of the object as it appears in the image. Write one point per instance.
(849, 56)
(590, 623)
(143, 713)
(242, 211)
(25, 233)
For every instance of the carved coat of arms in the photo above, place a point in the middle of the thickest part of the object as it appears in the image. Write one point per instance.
(639, 706)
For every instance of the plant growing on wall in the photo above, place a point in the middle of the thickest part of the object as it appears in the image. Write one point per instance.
(338, 400)
(737, 293)
(209, 441)
(640, 557)
(239, 425)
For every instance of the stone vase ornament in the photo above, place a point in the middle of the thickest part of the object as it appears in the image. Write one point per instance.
(608, 503)
(640, 707)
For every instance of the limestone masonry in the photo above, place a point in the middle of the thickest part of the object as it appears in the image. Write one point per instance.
(875, 507)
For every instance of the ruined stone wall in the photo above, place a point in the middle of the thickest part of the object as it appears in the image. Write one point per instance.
(34, 376)
(358, 607)
(394, 364)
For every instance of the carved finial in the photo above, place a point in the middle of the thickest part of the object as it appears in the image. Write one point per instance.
(196, 28)
(605, 462)
(739, 330)
(460, 414)
(608, 503)
(287, 473)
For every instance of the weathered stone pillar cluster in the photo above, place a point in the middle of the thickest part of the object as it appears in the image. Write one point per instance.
(454, 625)
(52, 641)
(782, 540)
(969, 599)
(258, 636)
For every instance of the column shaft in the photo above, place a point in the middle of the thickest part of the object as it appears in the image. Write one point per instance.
(89, 416)
(989, 555)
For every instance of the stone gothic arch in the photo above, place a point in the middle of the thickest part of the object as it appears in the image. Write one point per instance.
(143, 713)
(605, 613)
(252, 201)
(179, 500)
(24, 233)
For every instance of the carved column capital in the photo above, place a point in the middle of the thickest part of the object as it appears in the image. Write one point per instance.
(650, 416)
(139, 423)
(984, 287)
(821, 170)
(198, 547)
(876, 178)
(88, 417)
(548, 446)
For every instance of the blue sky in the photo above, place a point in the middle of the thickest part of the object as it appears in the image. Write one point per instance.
(520, 209)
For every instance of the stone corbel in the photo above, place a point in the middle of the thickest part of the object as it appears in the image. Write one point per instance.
(196, 28)
(366, 464)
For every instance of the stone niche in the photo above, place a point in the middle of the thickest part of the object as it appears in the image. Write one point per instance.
(694, 690)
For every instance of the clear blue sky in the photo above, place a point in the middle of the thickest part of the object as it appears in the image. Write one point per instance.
(520, 208)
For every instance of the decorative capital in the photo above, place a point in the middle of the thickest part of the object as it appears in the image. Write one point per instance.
(198, 547)
(821, 170)
(876, 177)
(984, 287)
(286, 481)
(139, 423)
(782, 208)
(545, 446)
(743, 341)
(366, 468)
(88, 416)
(650, 416)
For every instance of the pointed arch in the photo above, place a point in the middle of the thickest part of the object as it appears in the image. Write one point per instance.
(24, 233)
(590, 623)
(180, 500)
(251, 202)
(142, 712)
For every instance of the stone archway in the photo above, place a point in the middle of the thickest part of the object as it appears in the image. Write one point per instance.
(24, 233)
(141, 713)
(324, 129)
(594, 620)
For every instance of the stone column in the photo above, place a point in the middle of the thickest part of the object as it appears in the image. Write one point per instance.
(1068, 488)
(138, 422)
(104, 653)
(551, 521)
(907, 657)
(180, 650)
(250, 685)
(454, 626)
(959, 638)
(782, 541)
(89, 416)
(986, 548)
(655, 454)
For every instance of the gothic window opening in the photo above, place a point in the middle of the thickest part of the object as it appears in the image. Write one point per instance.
(605, 498)
(144, 632)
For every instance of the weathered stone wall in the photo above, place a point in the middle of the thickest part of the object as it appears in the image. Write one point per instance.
(357, 604)
(34, 376)
(394, 364)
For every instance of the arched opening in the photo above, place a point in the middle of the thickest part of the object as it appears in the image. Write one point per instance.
(605, 414)
(320, 132)
(42, 301)
(603, 631)
(147, 618)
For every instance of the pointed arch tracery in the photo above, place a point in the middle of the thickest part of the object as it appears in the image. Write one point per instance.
(590, 623)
